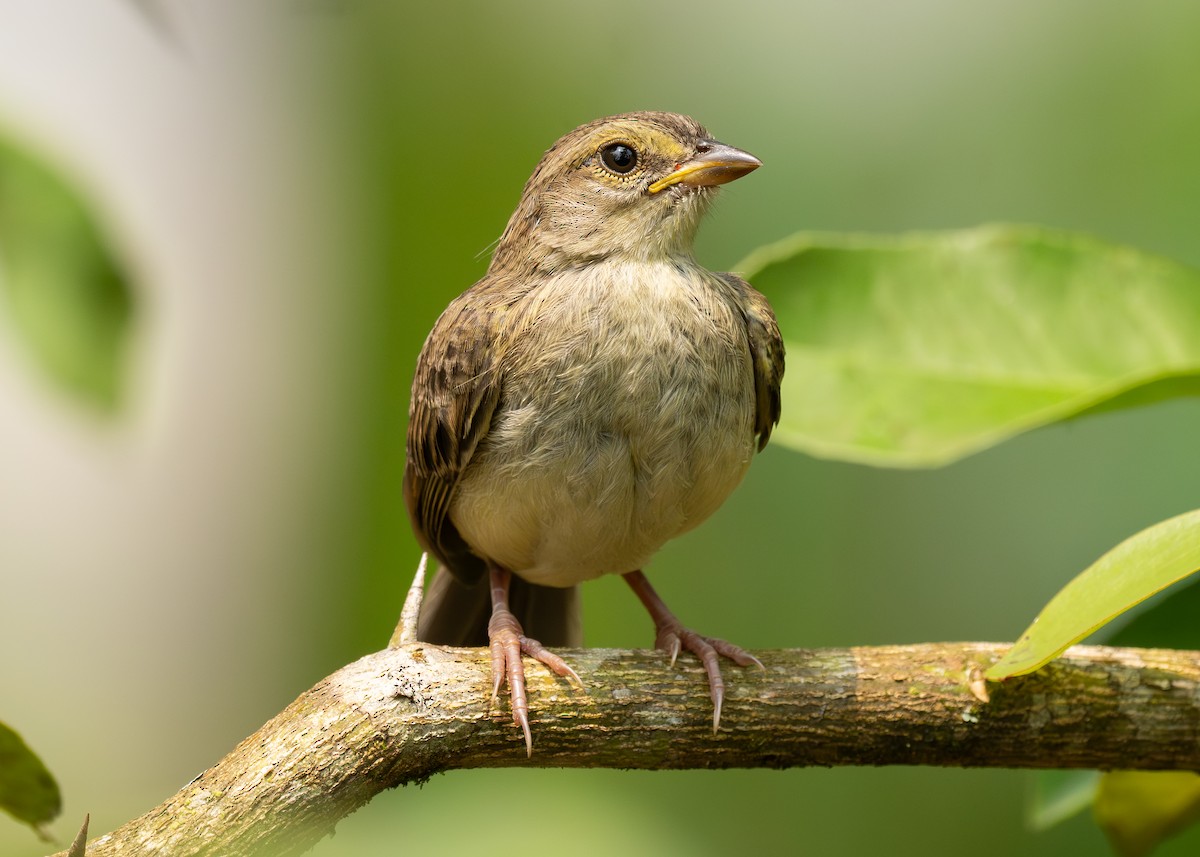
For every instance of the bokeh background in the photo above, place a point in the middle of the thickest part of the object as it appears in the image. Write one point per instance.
(297, 188)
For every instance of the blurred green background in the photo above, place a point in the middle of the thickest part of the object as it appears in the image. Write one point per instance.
(297, 191)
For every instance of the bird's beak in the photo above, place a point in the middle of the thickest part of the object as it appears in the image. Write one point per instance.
(713, 164)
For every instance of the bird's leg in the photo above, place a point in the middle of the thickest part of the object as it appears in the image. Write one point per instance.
(508, 642)
(671, 637)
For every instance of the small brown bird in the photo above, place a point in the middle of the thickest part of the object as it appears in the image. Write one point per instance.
(596, 394)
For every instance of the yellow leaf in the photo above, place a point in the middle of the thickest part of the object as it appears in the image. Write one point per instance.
(1140, 566)
(1139, 809)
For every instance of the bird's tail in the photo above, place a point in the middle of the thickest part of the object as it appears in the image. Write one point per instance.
(456, 614)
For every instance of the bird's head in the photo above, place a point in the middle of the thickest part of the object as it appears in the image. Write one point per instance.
(632, 186)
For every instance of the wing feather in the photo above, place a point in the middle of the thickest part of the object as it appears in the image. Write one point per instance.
(456, 389)
(767, 356)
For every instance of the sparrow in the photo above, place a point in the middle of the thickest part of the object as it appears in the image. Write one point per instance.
(595, 395)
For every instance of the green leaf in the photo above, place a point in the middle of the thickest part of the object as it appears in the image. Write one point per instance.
(917, 350)
(27, 789)
(1166, 621)
(1058, 795)
(1127, 575)
(59, 282)
(1139, 809)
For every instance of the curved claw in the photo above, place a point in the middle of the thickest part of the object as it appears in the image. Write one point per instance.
(671, 637)
(735, 653)
(504, 640)
(702, 648)
(540, 653)
(508, 644)
(666, 640)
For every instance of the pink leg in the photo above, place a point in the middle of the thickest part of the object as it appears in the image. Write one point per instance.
(671, 637)
(508, 642)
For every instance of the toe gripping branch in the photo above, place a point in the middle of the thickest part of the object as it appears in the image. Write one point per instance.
(508, 643)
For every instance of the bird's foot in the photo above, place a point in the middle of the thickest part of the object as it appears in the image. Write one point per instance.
(508, 642)
(672, 637)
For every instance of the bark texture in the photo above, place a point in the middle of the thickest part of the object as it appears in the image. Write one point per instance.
(401, 715)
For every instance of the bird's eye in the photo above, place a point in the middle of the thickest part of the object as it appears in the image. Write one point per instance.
(618, 158)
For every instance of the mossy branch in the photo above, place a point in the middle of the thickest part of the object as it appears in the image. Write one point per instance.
(406, 713)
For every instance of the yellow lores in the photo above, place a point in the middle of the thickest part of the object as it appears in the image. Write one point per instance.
(596, 394)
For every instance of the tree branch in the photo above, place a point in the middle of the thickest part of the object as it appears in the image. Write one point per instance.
(401, 715)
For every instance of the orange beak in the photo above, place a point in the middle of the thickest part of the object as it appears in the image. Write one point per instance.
(713, 164)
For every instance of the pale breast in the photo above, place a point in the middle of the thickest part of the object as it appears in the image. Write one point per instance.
(629, 422)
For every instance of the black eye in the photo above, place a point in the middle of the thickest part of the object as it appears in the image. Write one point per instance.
(618, 158)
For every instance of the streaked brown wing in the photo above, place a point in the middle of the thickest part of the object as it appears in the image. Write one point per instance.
(766, 351)
(455, 391)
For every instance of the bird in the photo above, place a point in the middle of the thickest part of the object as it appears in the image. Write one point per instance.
(597, 393)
